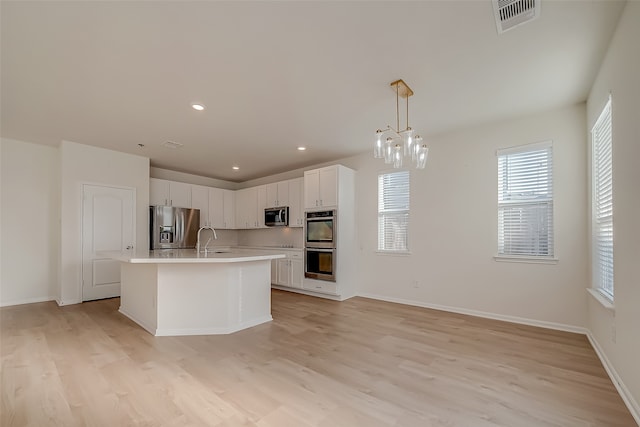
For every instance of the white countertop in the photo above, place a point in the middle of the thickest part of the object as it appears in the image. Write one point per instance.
(186, 256)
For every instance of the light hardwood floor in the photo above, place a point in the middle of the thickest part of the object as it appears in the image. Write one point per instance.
(319, 363)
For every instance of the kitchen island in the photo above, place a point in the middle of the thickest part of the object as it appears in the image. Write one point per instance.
(180, 292)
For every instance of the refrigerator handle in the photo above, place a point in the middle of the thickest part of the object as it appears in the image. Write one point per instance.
(179, 216)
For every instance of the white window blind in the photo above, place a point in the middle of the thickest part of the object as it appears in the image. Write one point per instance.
(525, 201)
(393, 211)
(602, 203)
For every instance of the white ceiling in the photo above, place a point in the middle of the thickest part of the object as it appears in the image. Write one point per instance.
(275, 75)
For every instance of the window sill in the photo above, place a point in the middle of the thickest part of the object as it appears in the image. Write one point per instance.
(393, 253)
(603, 300)
(524, 259)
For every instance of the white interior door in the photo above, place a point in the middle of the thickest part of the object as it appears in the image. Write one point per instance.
(107, 225)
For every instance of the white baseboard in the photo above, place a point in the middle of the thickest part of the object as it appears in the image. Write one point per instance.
(487, 315)
(623, 391)
(70, 302)
(309, 293)
(26, 301)
(169, 332)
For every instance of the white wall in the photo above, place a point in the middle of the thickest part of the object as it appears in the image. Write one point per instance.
(85, 164)
(29, 218)
(620, 76)
(453, 227)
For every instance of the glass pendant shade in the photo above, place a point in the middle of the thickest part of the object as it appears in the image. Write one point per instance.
(397, 156)
(378, 149)
(421, 160)
(417, 144)
(388, 151)
(407, 136)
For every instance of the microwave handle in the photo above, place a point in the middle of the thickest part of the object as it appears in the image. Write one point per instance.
(320, 249)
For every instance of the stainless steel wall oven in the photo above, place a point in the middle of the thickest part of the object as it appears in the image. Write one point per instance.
(320, 245)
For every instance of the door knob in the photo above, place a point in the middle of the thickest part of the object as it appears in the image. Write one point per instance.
(130, 247)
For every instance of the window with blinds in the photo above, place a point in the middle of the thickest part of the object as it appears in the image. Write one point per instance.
(393, 211)
(525, 201)
(602, 203)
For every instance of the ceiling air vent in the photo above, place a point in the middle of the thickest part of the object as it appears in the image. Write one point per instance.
(173, 145)
(511, 13)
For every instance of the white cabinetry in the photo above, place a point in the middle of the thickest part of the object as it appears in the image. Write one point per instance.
(170, 193)
(321, 187)
(247, 208)
(216, 207)
(200, 200)
(278, 194)
(261, 194)
(296, 208)
(327, 188)
(221, 208)
(229, 197)
(288, 271)
(297, 271)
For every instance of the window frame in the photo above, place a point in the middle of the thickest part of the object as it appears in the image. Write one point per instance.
(597, 223)
(550, 258)
(381, 214)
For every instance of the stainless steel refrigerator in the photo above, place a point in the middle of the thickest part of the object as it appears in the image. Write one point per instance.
(173, 228)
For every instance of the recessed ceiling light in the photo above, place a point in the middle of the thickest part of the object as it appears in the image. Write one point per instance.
(302, 148)
(198, 107)
(235, 168)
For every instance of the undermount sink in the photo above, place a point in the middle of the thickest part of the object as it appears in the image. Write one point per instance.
(221, 250)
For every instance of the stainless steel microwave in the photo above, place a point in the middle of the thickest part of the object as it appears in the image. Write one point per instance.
(276, 217)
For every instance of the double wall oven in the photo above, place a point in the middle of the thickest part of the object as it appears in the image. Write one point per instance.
(320, 245)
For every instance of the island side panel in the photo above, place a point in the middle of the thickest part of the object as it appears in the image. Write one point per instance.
(138, 294)
(254, 294)
(212, 298)
(193, 299)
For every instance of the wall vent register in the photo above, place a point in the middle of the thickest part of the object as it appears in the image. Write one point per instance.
(511, 13)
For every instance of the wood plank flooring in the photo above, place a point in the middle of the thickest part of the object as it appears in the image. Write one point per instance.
(359, 362)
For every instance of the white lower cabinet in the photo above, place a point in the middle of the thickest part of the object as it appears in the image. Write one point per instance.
(297, 272)
(288, 271)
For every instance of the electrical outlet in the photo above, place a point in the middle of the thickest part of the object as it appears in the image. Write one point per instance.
(416, 284)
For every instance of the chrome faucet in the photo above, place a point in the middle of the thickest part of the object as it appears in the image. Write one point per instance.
(215, 236)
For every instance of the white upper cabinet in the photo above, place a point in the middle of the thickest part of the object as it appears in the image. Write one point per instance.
(261, 194)
(200, 200)
(311, 188)
(247, 208)
(296, 208)
(216, 207)
(229, 209)
(158, 192)
(321, 187)
(221, 208)
(170, 193)
(278, 194)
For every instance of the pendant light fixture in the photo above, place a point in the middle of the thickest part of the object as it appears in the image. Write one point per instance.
(400, 142)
